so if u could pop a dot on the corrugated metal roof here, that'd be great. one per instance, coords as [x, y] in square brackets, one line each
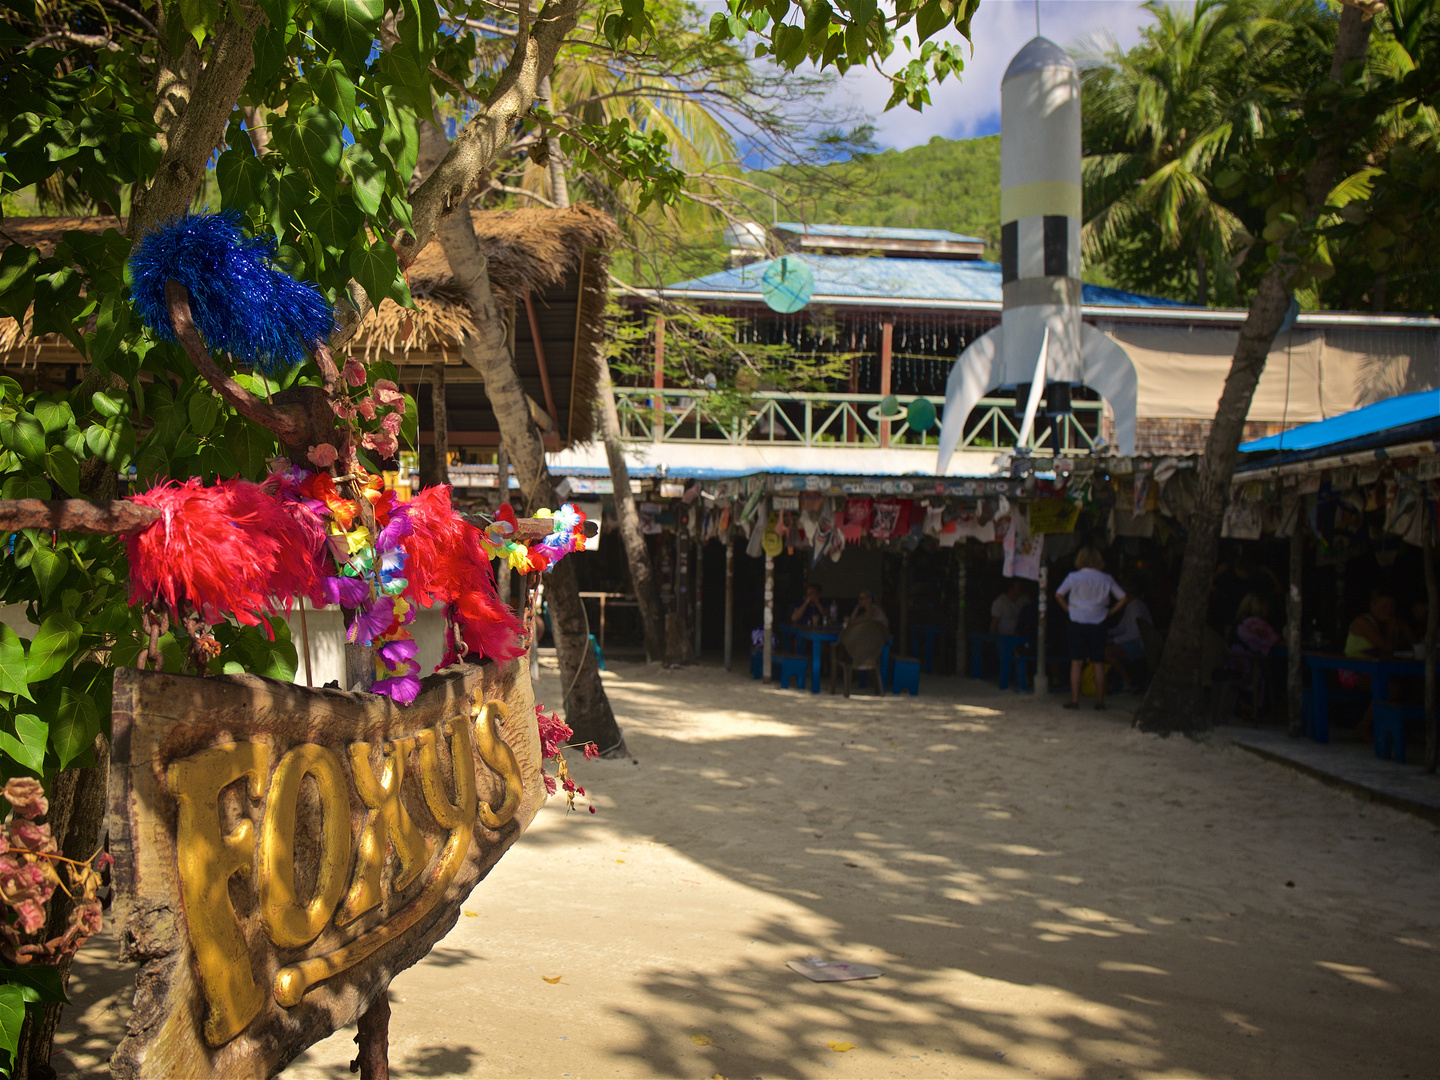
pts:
[897, 279]
[1389, 422]
[875, 232]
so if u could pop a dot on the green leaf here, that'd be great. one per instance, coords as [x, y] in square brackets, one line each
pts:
[38, 982]
[25, 437]
[12, 663]
[367, 178]
[106, 405]
[204, 409]
[375, 267]
[12, 1016]
[53, 415]
[317, 142]
[403, 69]
[17, 280]
[54, 645]
[19, 486]
[75, 724]
[334, 89]
[27, 746]
[250, 445]
[348, 26]
[64, 470]
[113, 443]
[49, 566]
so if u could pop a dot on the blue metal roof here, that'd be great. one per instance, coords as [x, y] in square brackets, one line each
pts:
[898, 279]
[1394, 420]
[875, 232]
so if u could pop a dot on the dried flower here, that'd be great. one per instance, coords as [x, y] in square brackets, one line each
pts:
[355, 372]
[323, 455]
[553, 733]
[387, 393]
[344, 408]
[382, 442]
[391, 423]
[592, 752]
[26, 796]
[366, 408]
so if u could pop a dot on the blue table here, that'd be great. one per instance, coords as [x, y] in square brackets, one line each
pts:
[931, 633]
[1005, 645]
[1378, 670]
[817, 636]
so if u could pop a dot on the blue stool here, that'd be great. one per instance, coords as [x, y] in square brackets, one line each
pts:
[792, 666]
[599, 656]
[757, 663]
[1390, 728]
[905, 675]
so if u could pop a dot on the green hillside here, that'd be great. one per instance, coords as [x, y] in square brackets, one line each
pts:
[945, 184]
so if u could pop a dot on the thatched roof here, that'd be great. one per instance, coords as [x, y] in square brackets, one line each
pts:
[544, 252]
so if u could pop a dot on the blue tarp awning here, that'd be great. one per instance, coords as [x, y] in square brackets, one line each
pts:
[1385, 423]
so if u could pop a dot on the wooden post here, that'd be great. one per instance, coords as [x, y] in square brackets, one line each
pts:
[1042, 673]
[729, 603]
[1294, 613]
[440, 420]
[961, 584]
[502, 473]
[854, 389]
[767, 650]
[904, 643]
[887, 336]
[699, 591]
[305, 639]
[1432, 625]
[540, 362]
[657, 431]
[359, 667]
[372, 1040]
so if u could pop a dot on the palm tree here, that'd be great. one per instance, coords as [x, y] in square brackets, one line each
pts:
[1160, 118]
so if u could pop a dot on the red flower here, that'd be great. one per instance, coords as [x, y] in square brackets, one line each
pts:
[549, 783]
[553, 733]
[592, 751]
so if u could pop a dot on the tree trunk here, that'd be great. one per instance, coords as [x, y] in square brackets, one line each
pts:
[637, 556]
[559, 183]
[77, 815]
[1171, 702]
[587, 709]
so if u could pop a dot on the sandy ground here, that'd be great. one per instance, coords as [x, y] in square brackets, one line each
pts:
[1048, 894]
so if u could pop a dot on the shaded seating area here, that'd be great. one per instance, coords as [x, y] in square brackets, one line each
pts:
[862, 648]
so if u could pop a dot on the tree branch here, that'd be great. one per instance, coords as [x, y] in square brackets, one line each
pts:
[102, 516]
[198, 129]
[490, 131]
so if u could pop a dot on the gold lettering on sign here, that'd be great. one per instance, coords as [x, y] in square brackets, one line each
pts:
[207, 861]
[456, 814]
[496, 753]
[208, 857]
[387, 824]
[290, 923]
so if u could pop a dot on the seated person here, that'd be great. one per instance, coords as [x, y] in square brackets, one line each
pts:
[1126, 647]
[1005, 611]
[810, 610]
[1376, 633]
[867, 608]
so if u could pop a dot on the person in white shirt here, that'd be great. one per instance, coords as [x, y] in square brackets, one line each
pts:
[1005, 611]
[1085, 596]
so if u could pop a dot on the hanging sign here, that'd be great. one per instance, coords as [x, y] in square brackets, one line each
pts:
[282, 853]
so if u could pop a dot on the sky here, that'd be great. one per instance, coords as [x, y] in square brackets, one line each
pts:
[971, 106]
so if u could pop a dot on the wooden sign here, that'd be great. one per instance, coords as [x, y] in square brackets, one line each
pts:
[282, 853]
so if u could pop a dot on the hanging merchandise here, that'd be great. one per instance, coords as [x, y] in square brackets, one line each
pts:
[754, 547]
[885, 522]
[1053, 516]
[857, 519]
[770, 542]
[1022, 550]
[934, 520]
[1241, 522]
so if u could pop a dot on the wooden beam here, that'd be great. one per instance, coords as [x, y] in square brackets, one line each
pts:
[887, 337]
[658, 427]
[540, 358]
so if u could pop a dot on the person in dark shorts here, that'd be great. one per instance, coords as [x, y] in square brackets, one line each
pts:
[1086, 595]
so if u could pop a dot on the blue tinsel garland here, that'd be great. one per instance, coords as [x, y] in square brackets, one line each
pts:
[241, 304]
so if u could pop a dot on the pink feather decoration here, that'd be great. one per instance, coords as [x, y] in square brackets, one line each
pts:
[445, 564]
[227, 548]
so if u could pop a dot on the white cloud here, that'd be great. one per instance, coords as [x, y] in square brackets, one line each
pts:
[971, 106]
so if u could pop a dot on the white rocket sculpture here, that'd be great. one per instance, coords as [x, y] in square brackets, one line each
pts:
[1041, 337]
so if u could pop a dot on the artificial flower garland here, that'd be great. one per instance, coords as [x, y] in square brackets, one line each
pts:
[243, 549]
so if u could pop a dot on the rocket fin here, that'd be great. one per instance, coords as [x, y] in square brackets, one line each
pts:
[973, 375]
[1110, 372]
